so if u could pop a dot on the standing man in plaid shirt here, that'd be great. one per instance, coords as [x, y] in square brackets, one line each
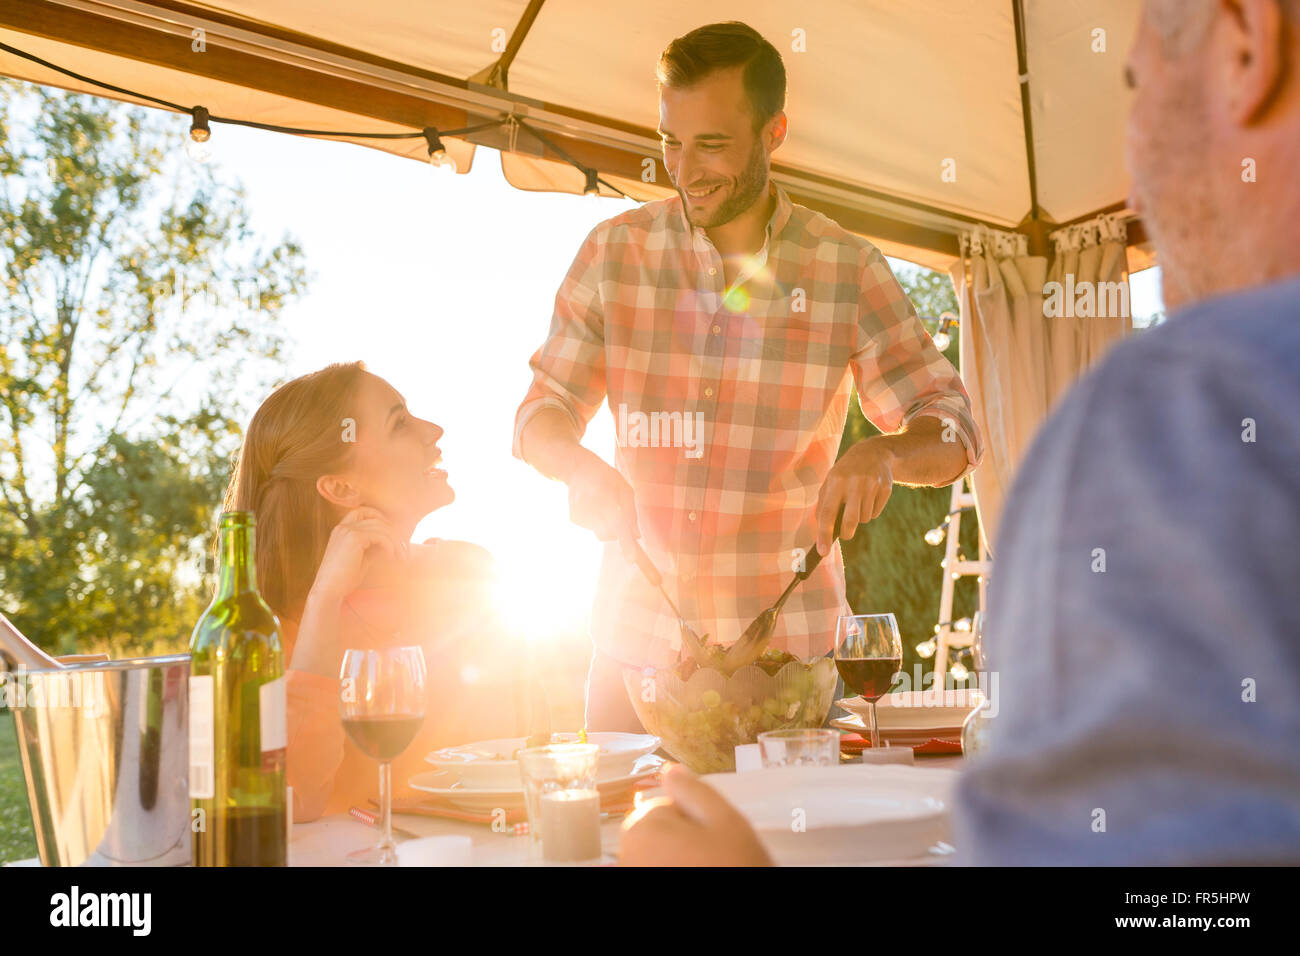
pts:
[726, 326]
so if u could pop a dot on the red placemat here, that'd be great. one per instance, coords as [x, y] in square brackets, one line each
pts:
[934, 747]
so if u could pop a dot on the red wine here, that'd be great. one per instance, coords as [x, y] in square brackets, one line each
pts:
[870, 677]
[383, 737]
[251, 836]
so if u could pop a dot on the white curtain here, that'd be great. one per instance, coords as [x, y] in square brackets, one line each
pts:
[1028, 330]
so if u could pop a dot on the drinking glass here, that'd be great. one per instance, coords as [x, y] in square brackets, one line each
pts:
[381, 701]
[562, 800]
[800, 747]
[975, 729]
[978, 651]
[868, 655]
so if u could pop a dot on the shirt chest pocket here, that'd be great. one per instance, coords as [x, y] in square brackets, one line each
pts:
[799, 343]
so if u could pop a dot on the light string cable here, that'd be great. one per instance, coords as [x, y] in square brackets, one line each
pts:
[592, 175]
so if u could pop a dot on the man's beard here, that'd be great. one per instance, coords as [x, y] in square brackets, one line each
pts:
[749, 187]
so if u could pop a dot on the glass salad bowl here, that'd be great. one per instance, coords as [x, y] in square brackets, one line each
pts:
[701, 715]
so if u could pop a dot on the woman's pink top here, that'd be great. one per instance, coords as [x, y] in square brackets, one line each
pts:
[445, 604]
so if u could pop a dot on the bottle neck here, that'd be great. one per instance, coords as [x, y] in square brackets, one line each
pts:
[238, 571]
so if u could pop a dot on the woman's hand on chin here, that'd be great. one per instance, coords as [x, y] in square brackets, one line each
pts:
[362, 537]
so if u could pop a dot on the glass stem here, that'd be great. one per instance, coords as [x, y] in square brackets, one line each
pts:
[875, 734]
[386, 802]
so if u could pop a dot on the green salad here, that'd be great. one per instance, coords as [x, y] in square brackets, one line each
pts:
[701, 715]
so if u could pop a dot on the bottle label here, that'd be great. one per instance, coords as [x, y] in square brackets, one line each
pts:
[202, 745]
[271, 710]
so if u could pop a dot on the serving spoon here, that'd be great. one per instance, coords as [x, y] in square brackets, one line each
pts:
[690, 640]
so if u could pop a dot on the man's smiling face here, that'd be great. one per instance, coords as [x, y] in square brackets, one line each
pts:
[713, 154]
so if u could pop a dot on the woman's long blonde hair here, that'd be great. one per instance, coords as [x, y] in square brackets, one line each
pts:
[296, 435]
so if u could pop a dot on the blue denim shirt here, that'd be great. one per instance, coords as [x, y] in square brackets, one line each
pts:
[1145, 608]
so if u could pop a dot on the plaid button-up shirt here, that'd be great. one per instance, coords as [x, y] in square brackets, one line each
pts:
[729, 405]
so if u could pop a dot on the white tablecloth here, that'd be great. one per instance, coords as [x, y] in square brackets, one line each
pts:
[326, 842]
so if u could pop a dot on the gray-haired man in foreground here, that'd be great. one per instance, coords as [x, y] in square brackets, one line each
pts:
[1150, 712]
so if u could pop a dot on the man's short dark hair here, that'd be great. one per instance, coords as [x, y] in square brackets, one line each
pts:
[692, 57]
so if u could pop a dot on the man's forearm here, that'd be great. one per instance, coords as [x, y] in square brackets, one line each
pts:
[927, 452]
[550, 444]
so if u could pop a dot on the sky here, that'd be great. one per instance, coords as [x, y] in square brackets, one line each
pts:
[443, 284]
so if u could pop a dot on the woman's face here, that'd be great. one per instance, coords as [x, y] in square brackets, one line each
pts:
[394, 455]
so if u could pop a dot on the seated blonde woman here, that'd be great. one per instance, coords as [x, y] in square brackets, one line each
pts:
[339, 473]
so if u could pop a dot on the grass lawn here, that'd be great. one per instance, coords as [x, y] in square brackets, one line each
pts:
[17, 842]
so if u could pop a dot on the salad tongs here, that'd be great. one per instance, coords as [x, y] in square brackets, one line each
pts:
[753, 642]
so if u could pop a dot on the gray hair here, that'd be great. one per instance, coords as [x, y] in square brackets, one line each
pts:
[1184, 24]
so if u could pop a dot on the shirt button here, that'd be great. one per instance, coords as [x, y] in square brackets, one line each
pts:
[691, 516]
[717, 329]
[708, 393]
[713, 271]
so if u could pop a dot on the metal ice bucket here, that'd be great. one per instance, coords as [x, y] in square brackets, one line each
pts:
[105, 753]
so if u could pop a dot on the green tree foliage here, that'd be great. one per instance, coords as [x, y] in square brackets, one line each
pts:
[888, 565]
[139, 311]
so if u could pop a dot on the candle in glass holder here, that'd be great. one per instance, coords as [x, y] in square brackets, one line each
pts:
[570, 825]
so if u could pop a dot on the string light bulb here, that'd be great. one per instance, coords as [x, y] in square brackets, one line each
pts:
[593, 187]
[439, 158]
[935, 535]
[941, 337]
[196, 147]
[961, 624]
[927, 648]
[959, 671]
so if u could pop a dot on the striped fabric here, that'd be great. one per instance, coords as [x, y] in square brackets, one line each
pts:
[729, 405]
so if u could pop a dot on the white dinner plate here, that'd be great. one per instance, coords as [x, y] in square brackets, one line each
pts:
[896, 738]
[480, 800]
[491, 764]
[849, 814]
[917, 710]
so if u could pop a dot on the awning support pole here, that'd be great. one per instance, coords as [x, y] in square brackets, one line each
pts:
[498, 73]
[1034, 229]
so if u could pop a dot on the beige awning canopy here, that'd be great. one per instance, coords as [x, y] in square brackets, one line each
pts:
[908, 120]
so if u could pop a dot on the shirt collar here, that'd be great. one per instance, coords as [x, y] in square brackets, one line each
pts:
[775, 223]
[781, 214]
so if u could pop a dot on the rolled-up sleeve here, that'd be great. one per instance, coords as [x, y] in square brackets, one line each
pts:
[569, 368]
[899, 373]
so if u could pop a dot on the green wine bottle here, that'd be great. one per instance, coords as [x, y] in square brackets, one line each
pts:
[237, 716]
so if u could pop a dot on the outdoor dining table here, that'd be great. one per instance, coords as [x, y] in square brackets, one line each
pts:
[327, 841]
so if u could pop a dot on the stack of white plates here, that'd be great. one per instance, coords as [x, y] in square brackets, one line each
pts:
[910, 718]
[483, 776]
[849, 814]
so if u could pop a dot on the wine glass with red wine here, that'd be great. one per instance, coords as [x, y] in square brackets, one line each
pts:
[381, 701]
[868, 655]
